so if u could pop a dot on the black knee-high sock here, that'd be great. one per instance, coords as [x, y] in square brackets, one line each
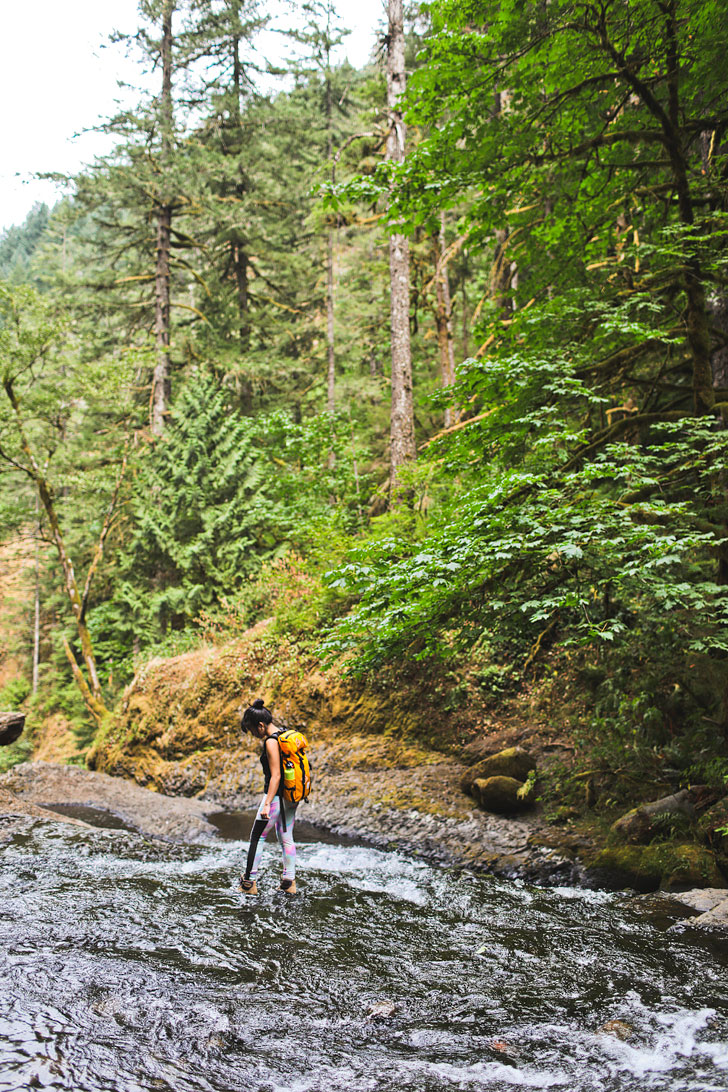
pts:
[258, 827]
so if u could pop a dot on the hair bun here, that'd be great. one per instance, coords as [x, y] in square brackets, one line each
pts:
[258, 704]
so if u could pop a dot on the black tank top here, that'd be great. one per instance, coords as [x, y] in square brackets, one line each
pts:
[265, 763]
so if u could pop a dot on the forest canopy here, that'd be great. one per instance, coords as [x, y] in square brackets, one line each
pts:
[427, 360]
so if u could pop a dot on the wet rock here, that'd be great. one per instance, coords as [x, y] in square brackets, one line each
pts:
[478, 749]
[647, 868]
[11, 727]
[514, 762]
[711, 904]
[382, 1010]
[504, 1051]
[499, 795]
[712, 824]
[619, 1029]
[637, 826]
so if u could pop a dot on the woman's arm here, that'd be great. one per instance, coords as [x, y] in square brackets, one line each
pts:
[274, 761]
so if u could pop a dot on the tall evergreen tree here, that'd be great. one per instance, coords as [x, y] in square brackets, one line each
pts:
[402, 434]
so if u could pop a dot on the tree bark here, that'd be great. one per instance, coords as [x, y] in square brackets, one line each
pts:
[240, 266]
[464, 318]
[161, 383]
[402, 430]
[78, 601]
[443, 319]
[238, 252]
[697, 324]
[330, 356]
[36, 603]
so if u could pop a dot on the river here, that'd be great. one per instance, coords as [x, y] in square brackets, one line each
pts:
[131, 965]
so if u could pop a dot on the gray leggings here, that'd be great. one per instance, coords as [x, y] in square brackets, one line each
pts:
[261, 830]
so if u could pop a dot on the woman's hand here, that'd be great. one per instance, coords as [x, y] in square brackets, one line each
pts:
[265, 811]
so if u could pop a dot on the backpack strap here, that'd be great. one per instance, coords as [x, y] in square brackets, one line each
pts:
[279, 794]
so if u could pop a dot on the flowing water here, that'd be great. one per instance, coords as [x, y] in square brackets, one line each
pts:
[132, 965]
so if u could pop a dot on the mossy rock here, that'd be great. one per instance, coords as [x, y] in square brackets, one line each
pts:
[710, 825]
[647, 868]
[514, 763]
[499, 795]
[640, 824]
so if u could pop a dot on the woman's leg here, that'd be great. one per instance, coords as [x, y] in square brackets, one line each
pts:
[285, 837]
[259, 833]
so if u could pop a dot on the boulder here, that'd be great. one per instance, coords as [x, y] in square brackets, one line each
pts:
[619, 1029]
[647, 868]
[711, 906]
[11, 727]
[499, 795]
[637, 826]
[514, 763]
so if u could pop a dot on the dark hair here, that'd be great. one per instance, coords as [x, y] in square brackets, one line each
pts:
[254, 715]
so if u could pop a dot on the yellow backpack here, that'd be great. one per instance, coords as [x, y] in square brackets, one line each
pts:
[295, 769]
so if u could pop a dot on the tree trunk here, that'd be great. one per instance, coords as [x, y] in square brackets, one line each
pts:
[443, 319]
[161, 383]
[240, 266]
[330, 357]
[402, 431]
[464, 318]
[36, 604]
[238, 251]
[46, 498]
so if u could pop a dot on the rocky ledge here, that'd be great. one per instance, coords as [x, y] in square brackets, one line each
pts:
[711, 906]
[32, 789]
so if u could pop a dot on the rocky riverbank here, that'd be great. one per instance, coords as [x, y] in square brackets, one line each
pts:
[446, 831]
[513, 847]
[389, 767]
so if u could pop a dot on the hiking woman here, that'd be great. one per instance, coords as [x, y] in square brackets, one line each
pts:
[274, 810]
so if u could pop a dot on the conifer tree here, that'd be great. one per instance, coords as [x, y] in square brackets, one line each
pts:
[402, 434]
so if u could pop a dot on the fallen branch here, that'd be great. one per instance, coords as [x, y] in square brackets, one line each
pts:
[459, 425]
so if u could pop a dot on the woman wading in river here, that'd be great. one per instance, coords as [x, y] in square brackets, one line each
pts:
[287, 781]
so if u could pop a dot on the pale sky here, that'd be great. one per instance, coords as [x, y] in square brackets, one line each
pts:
[58, 77]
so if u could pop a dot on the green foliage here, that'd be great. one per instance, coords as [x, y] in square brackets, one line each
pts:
[579, 499]
[19, 244]
[15, 753]
[586, 500]
[14, 693]
[219, 496]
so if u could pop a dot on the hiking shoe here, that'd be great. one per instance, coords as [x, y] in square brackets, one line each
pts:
[248, 887]
[288, 886]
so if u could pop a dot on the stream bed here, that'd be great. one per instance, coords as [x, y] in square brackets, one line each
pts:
[130, 965]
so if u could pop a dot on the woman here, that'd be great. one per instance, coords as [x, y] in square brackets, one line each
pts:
[274, 811]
